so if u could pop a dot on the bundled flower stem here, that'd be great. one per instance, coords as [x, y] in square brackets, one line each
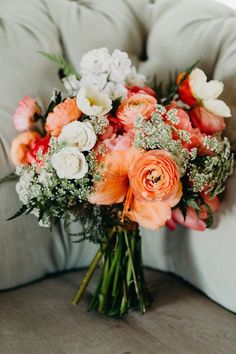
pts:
[122, 284]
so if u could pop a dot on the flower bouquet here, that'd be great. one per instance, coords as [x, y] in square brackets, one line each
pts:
[116, 154]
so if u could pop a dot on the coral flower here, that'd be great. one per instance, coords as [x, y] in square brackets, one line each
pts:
[62, 114]
[21, 147]
[40, 145]
[114, 185]
[23, 117]
[134, 106]
[145, 90]
[207, 122]
[148, 182]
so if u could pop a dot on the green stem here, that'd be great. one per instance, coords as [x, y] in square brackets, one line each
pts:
[80, 292]
[132, 265]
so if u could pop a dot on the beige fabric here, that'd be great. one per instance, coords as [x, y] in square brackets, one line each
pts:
[173, 34]
[38, 319]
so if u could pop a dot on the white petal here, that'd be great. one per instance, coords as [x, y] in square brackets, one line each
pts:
[212, 89]
[217, 107]
[93, 102]
[198, 81]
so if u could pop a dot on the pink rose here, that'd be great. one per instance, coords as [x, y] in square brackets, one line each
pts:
[207, 122]
[120, 142]
[132, 107]
[184, 119]
[113, 128]
[23, 118]
[194, 220]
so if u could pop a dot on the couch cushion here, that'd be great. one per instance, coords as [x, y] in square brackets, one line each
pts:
[174, 34]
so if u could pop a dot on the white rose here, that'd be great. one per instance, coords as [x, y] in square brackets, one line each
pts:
[78, 134]
[120, 66]
[69, 163]
[96, 61]
[92, 102]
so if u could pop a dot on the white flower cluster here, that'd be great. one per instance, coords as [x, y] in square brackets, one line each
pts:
[70, 162]
[108, 73]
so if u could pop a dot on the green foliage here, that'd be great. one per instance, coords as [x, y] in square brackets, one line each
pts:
[21, 211]
[66, 67]
[170, 92]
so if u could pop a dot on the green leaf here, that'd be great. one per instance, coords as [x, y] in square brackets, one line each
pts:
[192, 203]
[9, 178]
[172, 87]
[210, 219]
[62, 63]
[19, 213]
[115, 105]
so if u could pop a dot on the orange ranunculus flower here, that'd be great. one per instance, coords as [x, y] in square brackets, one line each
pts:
[155, 182]
[155, 176]
[21, 147]
[148, 182]
[132, 107]
[62, 114]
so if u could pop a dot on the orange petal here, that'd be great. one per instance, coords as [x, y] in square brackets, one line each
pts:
[114, 185]
[151, 215]
[176, 198]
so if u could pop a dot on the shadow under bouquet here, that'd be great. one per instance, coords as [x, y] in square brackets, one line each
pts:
[114, 154]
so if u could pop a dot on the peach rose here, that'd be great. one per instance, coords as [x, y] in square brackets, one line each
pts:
[132, 107]
[62, 114]
[23, 118]
[21, 147]
[155, 176]
[207, 122]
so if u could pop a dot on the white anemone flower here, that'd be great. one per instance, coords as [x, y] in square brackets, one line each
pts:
[93, 102]
[208, 92]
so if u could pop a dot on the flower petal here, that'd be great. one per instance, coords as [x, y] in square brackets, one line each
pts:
[217, 107]
[151, 215]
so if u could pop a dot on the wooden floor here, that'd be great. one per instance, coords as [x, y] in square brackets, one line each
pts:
[38, 319]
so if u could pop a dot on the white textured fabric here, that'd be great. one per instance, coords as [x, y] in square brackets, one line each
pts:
[172, 34]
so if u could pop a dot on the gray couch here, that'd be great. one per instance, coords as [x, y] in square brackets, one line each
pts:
[160, 36]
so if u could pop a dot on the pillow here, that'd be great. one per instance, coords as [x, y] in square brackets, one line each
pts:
[27, 251]
[181, 32]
